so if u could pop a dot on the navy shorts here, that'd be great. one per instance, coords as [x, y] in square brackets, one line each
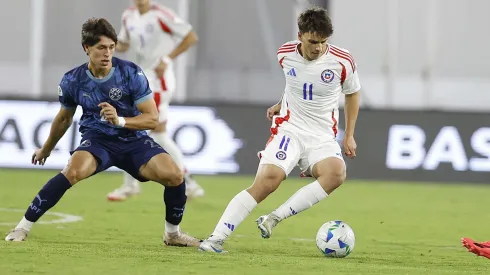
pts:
[126, 155]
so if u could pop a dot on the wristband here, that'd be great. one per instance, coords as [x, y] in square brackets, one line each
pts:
[167, 60]
[121, 121]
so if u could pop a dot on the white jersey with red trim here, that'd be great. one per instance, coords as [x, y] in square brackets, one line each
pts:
[152, 35]
[311, 96]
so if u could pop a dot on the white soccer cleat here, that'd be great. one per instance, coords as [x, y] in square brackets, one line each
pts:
[192, 189]
[17, 235]
[212, 246]
[124, 192]
[180, 239]
[265, 224]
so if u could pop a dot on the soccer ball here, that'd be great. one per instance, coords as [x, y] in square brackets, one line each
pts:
[335, 239]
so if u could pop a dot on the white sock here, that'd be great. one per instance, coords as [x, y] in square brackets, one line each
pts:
[169, 145]
[24, 224]
[171, 228]
[237, 210]
[130, 181]
[303, 199]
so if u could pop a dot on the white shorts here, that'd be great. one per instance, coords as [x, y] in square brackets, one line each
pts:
[163, 90]
[286, 150]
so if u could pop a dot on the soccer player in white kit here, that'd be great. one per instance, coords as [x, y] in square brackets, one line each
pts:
[304, 127]
[152, 30]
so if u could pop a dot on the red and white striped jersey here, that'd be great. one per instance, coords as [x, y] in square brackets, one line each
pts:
[311, 96]
[152, 35]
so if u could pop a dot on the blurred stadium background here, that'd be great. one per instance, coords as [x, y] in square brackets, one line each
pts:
[425, 74]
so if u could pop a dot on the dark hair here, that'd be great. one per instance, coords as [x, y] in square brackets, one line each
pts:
[94, 28]
[315, 20]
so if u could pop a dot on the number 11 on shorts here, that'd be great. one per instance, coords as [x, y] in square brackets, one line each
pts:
[308, 95]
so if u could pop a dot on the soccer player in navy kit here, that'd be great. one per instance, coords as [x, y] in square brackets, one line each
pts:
[118, 107]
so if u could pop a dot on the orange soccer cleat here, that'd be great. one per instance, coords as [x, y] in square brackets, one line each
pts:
[480, 249]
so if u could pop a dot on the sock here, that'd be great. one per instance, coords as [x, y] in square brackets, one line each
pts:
[303, 199]
[175, 199]
[47, 197]
[169, 145]
[171, 228]
[130, 181]
[24, 224]
[237, 210]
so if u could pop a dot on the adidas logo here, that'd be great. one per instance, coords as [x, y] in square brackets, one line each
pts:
[292, 72]
[230, 226]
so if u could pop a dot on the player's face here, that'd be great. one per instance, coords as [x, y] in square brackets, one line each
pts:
[101, 53]
[312, 45]
[142, 5]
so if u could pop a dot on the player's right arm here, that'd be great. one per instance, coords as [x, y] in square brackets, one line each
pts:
[275, 109]
[123, 36]
[59, 126]
[286, 48]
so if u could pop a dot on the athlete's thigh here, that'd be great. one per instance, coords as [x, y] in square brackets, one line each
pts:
[89, 158]
[323, 158]
[161, 168]
[283, 151]
[145, 160]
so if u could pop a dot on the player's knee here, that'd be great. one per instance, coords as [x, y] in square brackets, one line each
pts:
[271, 182]
[338, 177]
[333, 180]
[264, 185]
[174, 177]
[72, 175]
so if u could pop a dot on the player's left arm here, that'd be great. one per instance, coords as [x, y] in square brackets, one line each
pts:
[351, 88]
[142, 97]
[179, 29]
[189, 40]
[147, 120]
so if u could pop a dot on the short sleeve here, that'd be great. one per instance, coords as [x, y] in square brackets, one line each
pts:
[123, 35]
[351, 83]
[65, 94]
[140, 88]
[172, 23]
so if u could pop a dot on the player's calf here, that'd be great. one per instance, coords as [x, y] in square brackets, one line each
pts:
[268, 178]
[330, 174]
[162, 169]
[81, 165]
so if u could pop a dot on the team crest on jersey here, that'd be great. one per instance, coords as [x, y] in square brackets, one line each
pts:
[327, 76]
[60, 92]
[149, 28]
[115, 94]
[281, 155]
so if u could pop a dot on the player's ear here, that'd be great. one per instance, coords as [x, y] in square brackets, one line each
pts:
[85, 48]
[299, 35]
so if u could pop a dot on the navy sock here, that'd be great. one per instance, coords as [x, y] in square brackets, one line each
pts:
[175, 199]
[47, 197]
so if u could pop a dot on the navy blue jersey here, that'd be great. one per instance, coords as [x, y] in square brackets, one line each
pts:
[124, 87]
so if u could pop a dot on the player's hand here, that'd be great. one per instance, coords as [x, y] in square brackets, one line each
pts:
[272, 111]
[350, 147]
[39, 157]
[109, 113]
[160, 69]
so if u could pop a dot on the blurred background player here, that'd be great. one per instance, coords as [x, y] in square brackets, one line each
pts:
[118, 107]
[151, 31]
[304, 128]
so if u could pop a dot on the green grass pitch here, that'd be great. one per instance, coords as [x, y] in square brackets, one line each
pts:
[401, 228]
